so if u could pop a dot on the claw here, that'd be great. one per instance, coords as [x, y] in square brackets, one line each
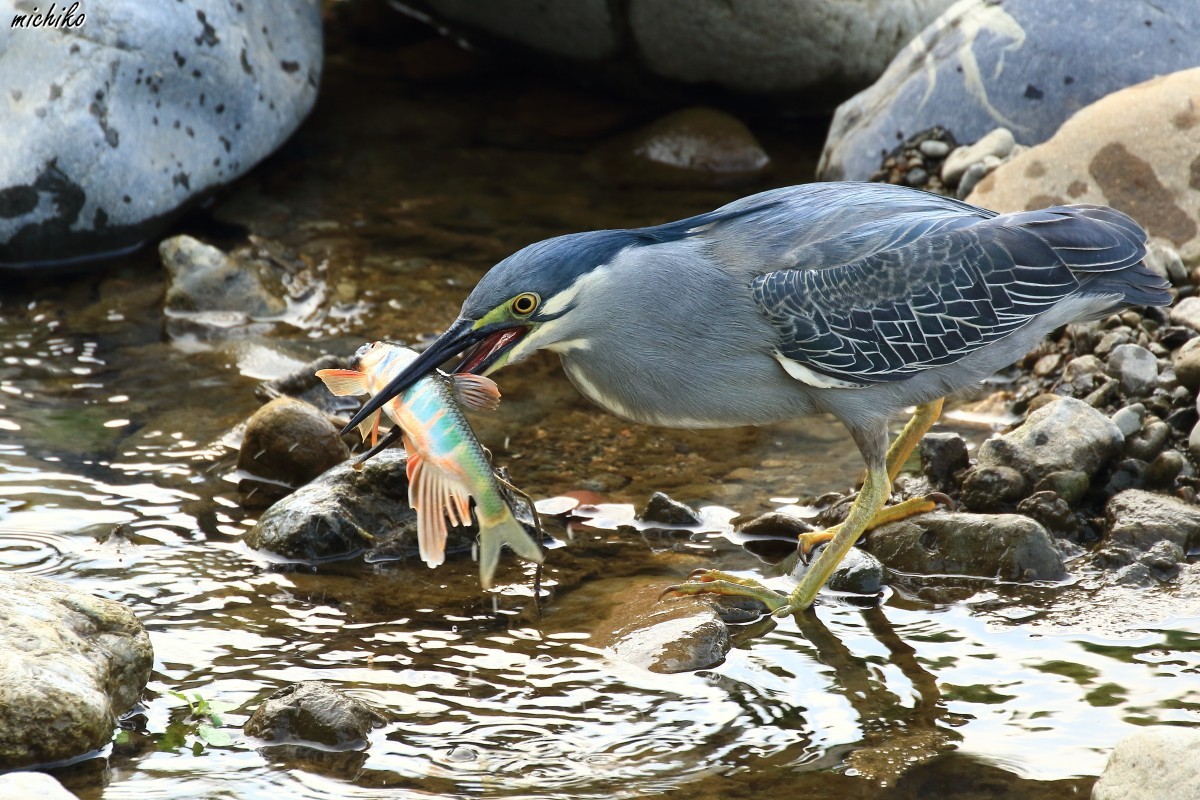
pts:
[720, 583]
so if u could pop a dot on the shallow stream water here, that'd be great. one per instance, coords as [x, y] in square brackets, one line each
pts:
[116, 478]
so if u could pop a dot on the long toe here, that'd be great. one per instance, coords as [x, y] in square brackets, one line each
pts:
[732, 586]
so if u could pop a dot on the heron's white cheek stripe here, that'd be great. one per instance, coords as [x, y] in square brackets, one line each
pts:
[563, 300]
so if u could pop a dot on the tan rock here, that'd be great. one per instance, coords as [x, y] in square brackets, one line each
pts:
[1137, 150]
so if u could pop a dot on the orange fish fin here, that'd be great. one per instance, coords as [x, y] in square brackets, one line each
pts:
[438, 498]
[368, 428]
[477, 392]
[343, 382]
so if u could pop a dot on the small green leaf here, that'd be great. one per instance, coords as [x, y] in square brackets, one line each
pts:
[214, 736]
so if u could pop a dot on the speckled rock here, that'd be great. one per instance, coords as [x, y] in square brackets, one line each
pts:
[804, 51]
[70, 664]
[112, 127]
[1067, 434]
[287, 443]
[1135, 150]
[1135, 367]
[310, 711]
[1006, 546]
[1157, 763]
[1019, 64]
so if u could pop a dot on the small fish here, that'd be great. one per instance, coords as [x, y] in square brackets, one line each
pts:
[447, 466]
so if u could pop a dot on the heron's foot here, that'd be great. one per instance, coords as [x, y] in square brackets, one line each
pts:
[808, 542]
[711, 581]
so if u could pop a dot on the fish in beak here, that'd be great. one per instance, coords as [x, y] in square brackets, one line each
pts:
[486, 348]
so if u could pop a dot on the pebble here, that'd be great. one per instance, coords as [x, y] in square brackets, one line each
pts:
[1069, 484]
[1187, 312]
[1156, 763]
[942, 455]
[310, 711]
[1129, 419]
[934, 148]
[916, 177]
[999, 144]
[1135, 367]
[1187, 365]
[1083, 365]
[994, 488]
[1194, 442]
[665, 511]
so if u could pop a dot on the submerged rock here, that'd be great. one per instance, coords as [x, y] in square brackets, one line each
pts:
[678, 634]
[70, 664]
[1157, 763]
[113, 127]
[287, 443]
[1067, 434]
[310, 711]
[1005, 546]
[692, 147]
[1020, 64]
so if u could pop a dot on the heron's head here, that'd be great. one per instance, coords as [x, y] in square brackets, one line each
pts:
[537, 298]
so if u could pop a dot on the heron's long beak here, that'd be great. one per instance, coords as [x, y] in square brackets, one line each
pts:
[458, 337]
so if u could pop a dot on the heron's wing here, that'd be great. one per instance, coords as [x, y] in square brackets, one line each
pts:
[940, 289]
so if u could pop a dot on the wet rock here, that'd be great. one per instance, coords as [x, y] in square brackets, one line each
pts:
[776, 523]
[110, 131]
[1163, 470]
[343, 512]
[32, 786]
[1052, 512]
[1020, 63]
[1063, 435]
[1135, 367]
[692, 147]
[1146, 444]
[1187, 313]
[204, 278]
[1005, 546]
[1155, 566]
[943, 455]
[1069, 484]
[303, 384]
[997, 144]
[1104, 154]
[310, 711]
[70, 664]
[859, 573]
[993, 488]
[662, 510]
[677, 634]
[287, 443]
[1156, 763]
[1139, 519]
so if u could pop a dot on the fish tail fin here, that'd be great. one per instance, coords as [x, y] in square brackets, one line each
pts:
[344, 382]
[436, 496]
[476, 392]
[509, 531]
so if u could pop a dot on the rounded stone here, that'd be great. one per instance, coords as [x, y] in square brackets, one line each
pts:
[993, 488]
[287, 443]
[1135, 367]
[1070, 485]
[310, 711]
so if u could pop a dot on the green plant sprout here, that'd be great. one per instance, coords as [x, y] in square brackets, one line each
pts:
[204, 719]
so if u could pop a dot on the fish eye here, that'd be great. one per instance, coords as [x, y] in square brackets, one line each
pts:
[524, 304]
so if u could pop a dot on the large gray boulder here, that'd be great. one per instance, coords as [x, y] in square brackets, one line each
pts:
[70, 664]
[822, 50]
[1025, 65]
[1066, 434]
[111, 127]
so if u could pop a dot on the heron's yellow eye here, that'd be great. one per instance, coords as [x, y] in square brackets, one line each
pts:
[524, 304]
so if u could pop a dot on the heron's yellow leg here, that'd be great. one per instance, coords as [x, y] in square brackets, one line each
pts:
[922, 420]
[866, 507]
[904, 510]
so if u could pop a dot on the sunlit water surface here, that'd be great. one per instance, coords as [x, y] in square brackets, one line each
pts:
[114, 446]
